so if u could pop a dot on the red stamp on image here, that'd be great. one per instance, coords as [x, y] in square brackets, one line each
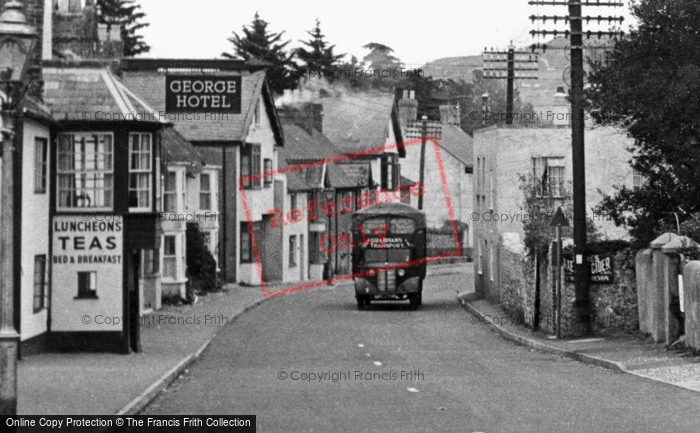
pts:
[379, 239]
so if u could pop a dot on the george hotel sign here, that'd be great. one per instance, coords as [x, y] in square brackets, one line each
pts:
[202, 93]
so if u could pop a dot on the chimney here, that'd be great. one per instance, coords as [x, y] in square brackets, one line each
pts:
[308, 116]
[560, 109]
[449, 115]
[408, 108]
[35, 12]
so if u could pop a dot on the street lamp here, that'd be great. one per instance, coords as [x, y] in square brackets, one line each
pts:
[16, 45]
[329, 194]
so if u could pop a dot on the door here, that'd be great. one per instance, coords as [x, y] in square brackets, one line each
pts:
[301, 257]
[133, 301]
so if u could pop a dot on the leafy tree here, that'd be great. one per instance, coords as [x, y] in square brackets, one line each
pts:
[127, 15]
[650, 85]
[318, 56]
[539, 211]
[386, 66]
[257, 43]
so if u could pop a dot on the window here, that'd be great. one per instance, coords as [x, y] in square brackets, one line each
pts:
[140, 171]
[293, 202]
[293, 250]
[85, 171]
[40, 282]
[389, 172]
[491, 262]
[268, 172]
[637, 179]
[41, 150]
[205, 191]
[247, 252]
[87, 285]
[250, 165]
[548, 176]
[170, 193]
[170, 257]
[150, 264]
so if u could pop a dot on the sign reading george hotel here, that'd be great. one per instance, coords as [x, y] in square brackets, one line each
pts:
[202, 93]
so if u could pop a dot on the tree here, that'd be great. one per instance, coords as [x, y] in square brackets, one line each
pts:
[127, 15]
[257, 43]
[386, 69]
[319, 56]
[650, 86]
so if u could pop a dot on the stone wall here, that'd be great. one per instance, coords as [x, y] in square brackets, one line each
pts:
[614, 306]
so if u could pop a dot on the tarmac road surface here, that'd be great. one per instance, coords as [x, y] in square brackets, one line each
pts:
[312, 362]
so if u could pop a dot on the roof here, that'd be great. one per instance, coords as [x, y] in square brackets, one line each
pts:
[228, 127]
[93, 94]
[302, 146]
[458, 143]
[356, 122]
[178, 150]
[451, 138]
[34, 109]
[305, 146]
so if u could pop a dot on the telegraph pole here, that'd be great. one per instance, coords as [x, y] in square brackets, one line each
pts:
[520, 65]
[575, 33]
[424, 132]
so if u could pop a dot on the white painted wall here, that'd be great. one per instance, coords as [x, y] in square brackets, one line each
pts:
[68, 313]
[35, 232]
[259, 201]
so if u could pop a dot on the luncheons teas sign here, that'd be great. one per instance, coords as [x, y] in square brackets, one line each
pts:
[202, 93]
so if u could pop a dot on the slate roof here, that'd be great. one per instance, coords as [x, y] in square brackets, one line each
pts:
[91, 93]
[231, 127]
[451, 138]
[178, 150]
[458, 143]
[302, 146]
[356, 122]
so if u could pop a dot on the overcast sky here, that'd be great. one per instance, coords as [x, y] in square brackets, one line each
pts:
[418, 32]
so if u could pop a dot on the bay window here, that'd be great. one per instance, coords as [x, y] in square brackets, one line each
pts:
[85, 171]
[140, 171]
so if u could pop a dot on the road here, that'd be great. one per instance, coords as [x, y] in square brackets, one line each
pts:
[441, 374]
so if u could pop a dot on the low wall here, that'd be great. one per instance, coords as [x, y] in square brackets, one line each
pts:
[613, 305]
[529, 293]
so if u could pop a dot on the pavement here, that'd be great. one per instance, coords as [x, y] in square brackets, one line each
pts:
[633, 354]
[175, 336]
[108, 383]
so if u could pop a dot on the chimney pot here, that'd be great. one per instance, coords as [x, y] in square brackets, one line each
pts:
[412, 94]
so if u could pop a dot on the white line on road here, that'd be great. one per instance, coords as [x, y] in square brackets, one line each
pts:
[360, 345]
[412, 390]
[377, 363]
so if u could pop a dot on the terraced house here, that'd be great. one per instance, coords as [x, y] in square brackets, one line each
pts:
[224, 108]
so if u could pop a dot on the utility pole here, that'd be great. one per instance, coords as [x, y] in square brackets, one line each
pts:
[520, 65]
[575, 33]
[424, 133]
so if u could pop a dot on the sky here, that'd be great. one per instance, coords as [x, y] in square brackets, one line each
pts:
[418, 32]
